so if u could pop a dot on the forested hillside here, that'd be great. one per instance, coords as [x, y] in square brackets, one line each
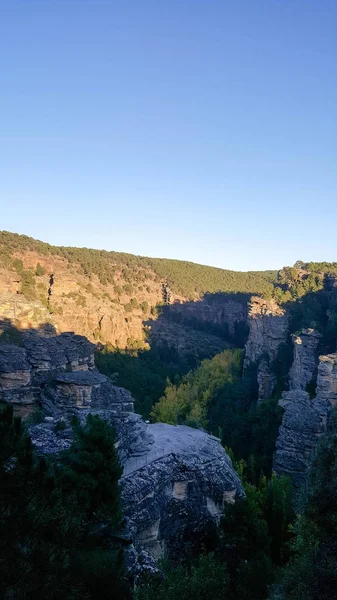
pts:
[184, 278]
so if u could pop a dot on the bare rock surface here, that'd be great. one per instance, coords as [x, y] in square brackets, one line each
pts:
[268, 324]
[304, 368]
[193, 478]
[304, 421]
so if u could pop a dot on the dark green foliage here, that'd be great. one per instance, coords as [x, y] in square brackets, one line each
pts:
[27, 279]
[18, 265]
[206, 578]
[216, 396]
[293, 284]
[91, 465]
[40, 270]
[247, 547]
[144, 306]
[312, 573]
[255, 536]
[128, 289]
[189, 279]
[52, 537]
[185, 278]
[280, 367]
[251, 430]
[10, 334]
[143, 372]
[134, 302]
[191, 400]
[28, 284]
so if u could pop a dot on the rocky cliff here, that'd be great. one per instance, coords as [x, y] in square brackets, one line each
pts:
[305, 420]
[224, 313]
[305, 359]
[123, 314]
[176, 480]
[268, 330]
[108, 296]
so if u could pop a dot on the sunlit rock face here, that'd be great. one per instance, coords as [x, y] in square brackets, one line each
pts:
[268, 330]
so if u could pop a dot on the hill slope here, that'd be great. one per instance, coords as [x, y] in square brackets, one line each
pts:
[109, 296]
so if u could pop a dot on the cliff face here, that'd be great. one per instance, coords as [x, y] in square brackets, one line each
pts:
[73, 301]
[305, 421]
[305, 352]
[123, 313]
[176, 480]
[268, 330]
[227, 312]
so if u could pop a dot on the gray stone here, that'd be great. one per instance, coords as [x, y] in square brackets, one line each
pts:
[304, 367]
[176, 480]
[304, 422]
[179, 486]
[268, 330]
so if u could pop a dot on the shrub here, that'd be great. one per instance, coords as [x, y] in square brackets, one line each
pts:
[39, 271]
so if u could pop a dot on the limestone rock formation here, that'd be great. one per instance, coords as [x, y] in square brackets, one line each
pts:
[223, 310]
[177, 488]
[327, 378]
[268, 324]
[25, 369]
[305, 357]
[176, 480]
[112, 311]
[304, 422]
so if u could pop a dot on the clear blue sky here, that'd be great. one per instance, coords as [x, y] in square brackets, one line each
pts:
[204, 130]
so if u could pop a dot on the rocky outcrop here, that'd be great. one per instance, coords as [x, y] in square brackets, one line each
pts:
[21, 312]
[268, 330]
[305, 357]
[25, 369]
[327, 378]
[15, 375]
[176, 480]
[176, 489]
[304, 422]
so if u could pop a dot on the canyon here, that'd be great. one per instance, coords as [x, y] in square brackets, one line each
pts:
[176, 481]
[55, 312]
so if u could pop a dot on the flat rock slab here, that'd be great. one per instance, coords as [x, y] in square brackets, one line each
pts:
[80, 377]
[176, 439]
